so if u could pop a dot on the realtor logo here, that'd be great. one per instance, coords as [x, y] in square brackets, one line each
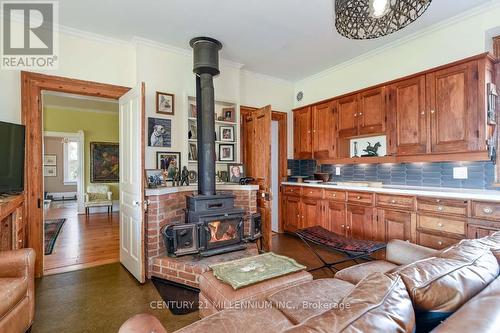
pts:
[29, 35]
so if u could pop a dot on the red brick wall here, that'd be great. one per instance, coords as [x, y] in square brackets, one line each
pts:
[169, 208]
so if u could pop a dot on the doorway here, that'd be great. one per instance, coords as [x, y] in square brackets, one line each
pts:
[81, 181]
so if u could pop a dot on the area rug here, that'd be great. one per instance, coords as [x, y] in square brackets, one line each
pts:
[52, 229]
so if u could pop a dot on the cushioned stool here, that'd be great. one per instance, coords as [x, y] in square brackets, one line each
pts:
[216, 296]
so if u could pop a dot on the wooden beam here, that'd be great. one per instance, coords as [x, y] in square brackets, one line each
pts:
[496, 47]
[32, 85]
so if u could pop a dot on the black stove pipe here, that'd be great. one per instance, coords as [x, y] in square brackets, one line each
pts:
[206, 66]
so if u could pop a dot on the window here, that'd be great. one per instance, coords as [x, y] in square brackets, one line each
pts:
[71, 165]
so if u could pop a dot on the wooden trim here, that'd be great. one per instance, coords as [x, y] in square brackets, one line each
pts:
[476, 57]
[32, 85]
[282, 119]
[496, 47]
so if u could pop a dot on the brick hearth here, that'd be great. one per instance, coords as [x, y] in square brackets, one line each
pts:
[166, 206]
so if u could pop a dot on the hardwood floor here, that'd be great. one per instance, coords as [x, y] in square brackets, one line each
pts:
[83, 241]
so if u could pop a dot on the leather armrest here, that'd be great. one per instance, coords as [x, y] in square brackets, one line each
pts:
[142, 323]
[402, 253]
[17, 263]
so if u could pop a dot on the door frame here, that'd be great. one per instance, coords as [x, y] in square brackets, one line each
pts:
[32, 85]
[80, 138]
[282, 119]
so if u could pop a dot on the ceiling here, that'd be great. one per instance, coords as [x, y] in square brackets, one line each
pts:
[288, 39]
[79, 102]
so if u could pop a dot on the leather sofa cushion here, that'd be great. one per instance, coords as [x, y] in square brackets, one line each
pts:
[480, 314]
[250, 320]
[493, 242]
[310, 298]
[440, 285]
[355, 274]
[223, 296]
[379, 303]
[12, 291]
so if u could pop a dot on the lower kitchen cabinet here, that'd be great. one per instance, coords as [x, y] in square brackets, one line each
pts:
[392, 224]
[311, 210]
[360, 222]
[292, 213]
[333, 218]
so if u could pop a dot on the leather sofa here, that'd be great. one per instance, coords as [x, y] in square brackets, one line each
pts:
[17, 290]
[414, 289]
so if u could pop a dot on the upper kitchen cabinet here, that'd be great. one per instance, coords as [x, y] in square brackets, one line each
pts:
[371, 111]
[347, 110]
[407, 116]
[302, 140]
[324, 130]
[455, 114]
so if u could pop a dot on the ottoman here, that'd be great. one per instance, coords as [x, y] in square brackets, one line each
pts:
[216, 295]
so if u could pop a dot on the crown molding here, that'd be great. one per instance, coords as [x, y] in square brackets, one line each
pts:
[491, 5]
[267, 77]
[70, 108]
[92, 36]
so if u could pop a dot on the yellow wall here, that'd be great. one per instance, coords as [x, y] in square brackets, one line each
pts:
[97, 127]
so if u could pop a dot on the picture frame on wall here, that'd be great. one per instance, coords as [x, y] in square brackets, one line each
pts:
[193, 152]
[49, 159]
[165, 103]
[49, 171]
[154, 178]
[226, 133]
[235, 171]
[104, 162]
[228, 114]
[169, 162]
[226, 152]
[159, 132]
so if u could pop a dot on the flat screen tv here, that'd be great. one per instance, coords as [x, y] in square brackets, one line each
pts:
[11, 158]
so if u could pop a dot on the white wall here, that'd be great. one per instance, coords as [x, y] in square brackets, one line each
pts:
[461, 37]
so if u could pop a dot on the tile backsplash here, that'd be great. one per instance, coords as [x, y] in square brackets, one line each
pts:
[481, 175]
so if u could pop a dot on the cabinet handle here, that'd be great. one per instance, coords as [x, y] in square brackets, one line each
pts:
[433, 111]
[440, 243]
[355, 115]
[343, 226]
[298, 216]
[393, 201]
[440, 208]
[440, 225]
[348, 227]
[438, 200]
[308, 131]
[334, 195]
[310, 192]
[358, 197]
[360, 114]
[314, 131]
[302, 216]
[487, 210]
[422, 113]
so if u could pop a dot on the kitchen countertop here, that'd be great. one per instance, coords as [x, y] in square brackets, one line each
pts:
[219, 187]
[438, 192]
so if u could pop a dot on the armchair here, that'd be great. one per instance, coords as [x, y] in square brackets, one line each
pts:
[17, 290]
[98, 196]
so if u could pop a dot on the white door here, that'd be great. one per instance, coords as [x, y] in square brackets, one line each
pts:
[131, 182]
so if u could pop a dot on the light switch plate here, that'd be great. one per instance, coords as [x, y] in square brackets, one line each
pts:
[337, 171]
[460, 173]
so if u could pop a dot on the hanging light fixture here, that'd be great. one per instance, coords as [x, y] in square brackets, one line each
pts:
[368, 19]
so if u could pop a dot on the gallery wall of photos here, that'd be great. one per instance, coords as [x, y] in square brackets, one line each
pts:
[171, 167]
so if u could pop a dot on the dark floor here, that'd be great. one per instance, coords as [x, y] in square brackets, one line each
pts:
[100, 299]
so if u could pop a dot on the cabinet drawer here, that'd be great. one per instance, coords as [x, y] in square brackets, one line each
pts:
[395, 201]
[292, 190]
[335, 195]
[442, 224]
[435, 241]
[442, 206]
[486, 210]
[360, 197]
[311, 192]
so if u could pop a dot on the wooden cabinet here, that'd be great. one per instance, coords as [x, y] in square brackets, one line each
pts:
[371, 114]
[434, 241]
[292, 213]
[324, 130]
[452, 97]
[408, 117]
[347, 110]
[392, 224]
[13, 226]
[334, 217]
[311, 210]
[359, 222]
[302, 134]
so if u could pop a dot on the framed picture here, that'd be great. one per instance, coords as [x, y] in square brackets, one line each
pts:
[193, 152]
[165, 103]
[49, 159]
[226, 152]
[154, 178]
[192, 110]
[49, 171]
[193, 130]
[226, 133]
[236, 172]
[104, 162]
[228, 114]
[159, 132]
[169, 162]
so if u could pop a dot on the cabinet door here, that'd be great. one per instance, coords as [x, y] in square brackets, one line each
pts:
[408, 116]
[478, 231]
[324, 130]
[310, 212]
[452, 95]
[302, 133]
[347, 110]
[292, 213]
[360, 222]
[393, 225]
[334, 217]
[371, 115]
